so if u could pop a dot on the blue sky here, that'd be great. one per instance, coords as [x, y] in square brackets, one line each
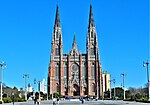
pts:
[26, 28]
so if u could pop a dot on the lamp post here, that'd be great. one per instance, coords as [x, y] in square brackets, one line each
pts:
[39, 82]
[114, 81]
[146, 64]
[25, 76]
[110, 88]
[34, 87]
[47, 90]
[2, 66]
[123, 76]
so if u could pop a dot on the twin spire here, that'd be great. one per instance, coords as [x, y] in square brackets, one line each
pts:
[91, 24]
[91, 18]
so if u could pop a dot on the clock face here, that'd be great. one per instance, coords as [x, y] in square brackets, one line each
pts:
[74, 67]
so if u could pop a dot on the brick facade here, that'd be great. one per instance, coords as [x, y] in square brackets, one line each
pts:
[75, 74]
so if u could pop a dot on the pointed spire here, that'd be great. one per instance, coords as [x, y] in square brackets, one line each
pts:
[91, 18]
[57, 19]
[74, 44]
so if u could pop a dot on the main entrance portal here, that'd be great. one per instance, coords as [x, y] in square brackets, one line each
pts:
[76, 90]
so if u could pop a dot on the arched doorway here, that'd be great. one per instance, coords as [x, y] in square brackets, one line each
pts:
[76, 90]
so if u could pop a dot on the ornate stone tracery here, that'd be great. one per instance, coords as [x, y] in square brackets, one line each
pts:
[75, 74]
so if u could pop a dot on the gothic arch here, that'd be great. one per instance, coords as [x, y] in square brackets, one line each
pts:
[75, 73]
[93, 87]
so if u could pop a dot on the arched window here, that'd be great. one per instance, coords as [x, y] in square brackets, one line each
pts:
[84, 70]
[57, 34]
[65, 90]
[85, 90]
[93, 71]
[57, 50]
[92, 34]
[65, 70]
[93, 87]
[57, 71]
[92, 50]
[57, 87]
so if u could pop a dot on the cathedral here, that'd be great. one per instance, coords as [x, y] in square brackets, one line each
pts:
[75, 74]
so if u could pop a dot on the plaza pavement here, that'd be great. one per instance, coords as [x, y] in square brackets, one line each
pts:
[75, 102]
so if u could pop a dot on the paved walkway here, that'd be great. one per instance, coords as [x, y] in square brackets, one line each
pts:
[65, 102]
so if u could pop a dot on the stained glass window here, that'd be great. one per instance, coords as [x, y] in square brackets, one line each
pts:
[93, 87]
[57, 87]
[57, 70]
[93, 71]
[65, 70]
[84, 70]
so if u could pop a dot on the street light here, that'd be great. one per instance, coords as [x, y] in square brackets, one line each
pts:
[39, 83]
[110, 88]
[34, 87]
[46, 85]
[2, 66]
[146, 64]
[47, 91]
[25, 76]
[114, 81]
[123, 75]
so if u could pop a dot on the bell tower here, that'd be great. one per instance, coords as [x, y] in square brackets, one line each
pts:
[92, 57]
[57, 44]
[56, 56]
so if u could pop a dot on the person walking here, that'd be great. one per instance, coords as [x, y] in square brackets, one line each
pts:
[58, 100]
[38, 101]
[35, 100]
[13, 101]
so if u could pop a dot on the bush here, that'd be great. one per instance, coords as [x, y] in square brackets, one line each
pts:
[118, 98]
[7, 100]
[55, 95]
[128, 99]
[107, 99]
[20, 100]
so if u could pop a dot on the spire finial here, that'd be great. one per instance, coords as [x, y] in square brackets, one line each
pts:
[74, 40]
[57, 19]
[74, 44]
[91, 18]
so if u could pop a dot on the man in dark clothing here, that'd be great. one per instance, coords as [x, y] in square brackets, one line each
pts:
[58, 100]
[35, 99]
[13, 101]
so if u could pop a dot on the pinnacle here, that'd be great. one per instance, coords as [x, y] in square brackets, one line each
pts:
[91, 18]
[74, 45]
[57, 18]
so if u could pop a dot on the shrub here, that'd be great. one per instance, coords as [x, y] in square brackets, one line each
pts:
[107, 99]
[20, 100]
[127, 99]
[7, 100]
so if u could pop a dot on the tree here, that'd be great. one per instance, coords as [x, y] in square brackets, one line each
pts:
[133, 92]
